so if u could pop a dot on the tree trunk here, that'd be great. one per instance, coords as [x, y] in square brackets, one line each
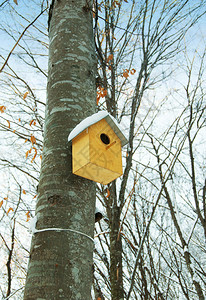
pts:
[61, 261]
[117, 291]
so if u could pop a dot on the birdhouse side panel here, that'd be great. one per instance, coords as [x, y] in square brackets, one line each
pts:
[80, 151]
[105, 147]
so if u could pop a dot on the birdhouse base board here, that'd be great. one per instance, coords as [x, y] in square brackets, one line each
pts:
[97, 173]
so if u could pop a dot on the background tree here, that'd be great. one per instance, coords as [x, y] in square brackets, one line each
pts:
[22, 118]
[152, 36]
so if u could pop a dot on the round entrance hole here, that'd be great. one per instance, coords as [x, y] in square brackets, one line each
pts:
[104, 138]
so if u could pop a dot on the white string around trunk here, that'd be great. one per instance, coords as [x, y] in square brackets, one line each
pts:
[34, 230]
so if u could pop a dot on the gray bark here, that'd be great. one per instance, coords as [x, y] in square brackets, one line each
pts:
[116, 274]
[60, 264]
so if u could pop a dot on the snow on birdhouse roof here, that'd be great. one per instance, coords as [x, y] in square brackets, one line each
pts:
[93, 119]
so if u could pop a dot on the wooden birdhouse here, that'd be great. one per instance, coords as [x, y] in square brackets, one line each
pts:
[96, 148]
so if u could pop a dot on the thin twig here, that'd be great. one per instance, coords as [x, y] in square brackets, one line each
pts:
[20, 39]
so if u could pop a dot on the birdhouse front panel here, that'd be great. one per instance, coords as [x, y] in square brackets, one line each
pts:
[105, 147]
[97, 153]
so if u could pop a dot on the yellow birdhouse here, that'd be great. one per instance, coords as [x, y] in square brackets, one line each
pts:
[96, 148]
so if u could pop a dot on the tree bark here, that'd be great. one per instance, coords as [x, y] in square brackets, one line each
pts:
[116, 274]
[60, 264]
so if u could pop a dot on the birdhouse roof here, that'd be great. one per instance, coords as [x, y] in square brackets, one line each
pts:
[93, 119]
